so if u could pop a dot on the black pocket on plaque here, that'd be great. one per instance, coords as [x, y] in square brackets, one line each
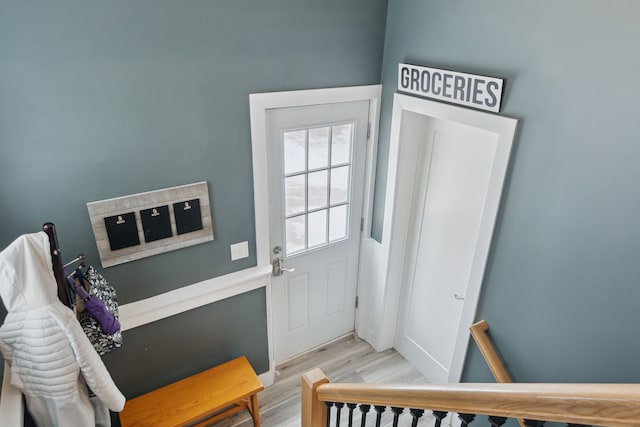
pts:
[188, 216]
[122, 230]
[156, 223]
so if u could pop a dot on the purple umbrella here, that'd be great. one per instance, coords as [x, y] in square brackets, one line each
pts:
[96, 308]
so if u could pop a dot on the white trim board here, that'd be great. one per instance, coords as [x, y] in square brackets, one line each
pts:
[142, 312]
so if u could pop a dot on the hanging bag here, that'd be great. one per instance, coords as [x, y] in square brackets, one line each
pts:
[99, 320]
[96, 307]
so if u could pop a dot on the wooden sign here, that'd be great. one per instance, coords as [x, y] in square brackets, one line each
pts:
[471, 90]
[136, 226]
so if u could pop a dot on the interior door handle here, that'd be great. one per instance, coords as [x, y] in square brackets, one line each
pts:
[458, 297]
[278, 267]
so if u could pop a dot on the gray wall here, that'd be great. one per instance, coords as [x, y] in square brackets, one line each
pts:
[561, 293]
[104, 99]
[182, 345]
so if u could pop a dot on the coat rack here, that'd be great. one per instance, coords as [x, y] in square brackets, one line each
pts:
[57, 265]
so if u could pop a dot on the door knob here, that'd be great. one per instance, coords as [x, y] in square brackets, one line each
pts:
[278, 267]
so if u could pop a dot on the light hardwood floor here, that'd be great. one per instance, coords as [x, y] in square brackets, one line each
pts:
[347, 360]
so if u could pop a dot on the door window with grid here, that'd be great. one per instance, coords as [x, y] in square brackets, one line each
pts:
[317, 178]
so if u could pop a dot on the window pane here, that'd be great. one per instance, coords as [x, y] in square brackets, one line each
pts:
[317, 190]
[340, 185]
[295, 152]
[295, 234]
[341, 144]
[294, 192]
[318, 148]
[317, 228]
[338, 223]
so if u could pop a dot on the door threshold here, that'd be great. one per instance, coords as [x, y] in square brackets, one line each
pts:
[318, 348]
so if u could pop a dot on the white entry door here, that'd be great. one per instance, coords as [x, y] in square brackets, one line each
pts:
[316, 159]
[449, 234]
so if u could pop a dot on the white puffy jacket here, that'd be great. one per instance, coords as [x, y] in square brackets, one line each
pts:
[41, 339]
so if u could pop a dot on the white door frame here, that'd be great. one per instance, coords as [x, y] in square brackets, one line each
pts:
[387, 258]
[259, 103]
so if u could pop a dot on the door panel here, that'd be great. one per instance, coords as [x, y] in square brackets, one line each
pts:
[316, 176]
[336, 287]
[297, 290]
[453, 179]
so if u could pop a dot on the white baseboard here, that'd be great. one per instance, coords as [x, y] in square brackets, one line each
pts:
[268, 378]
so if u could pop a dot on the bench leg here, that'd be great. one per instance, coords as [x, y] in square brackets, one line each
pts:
[253, 409]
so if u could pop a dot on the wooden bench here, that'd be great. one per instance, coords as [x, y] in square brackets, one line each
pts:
[203, 398]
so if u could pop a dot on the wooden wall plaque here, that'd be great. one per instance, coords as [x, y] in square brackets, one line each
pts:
[194, 222]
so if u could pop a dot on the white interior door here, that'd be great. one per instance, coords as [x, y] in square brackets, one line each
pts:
[316, 159]
[446, 244]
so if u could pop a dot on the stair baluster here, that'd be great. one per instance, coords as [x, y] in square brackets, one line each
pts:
[396, 415]
[329, 405]
[466, 419]
[379, 410]
[416, 414]
[351, 407]
[364, 409]
[497, 421]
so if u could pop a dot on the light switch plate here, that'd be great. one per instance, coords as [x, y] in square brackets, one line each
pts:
[239, 250]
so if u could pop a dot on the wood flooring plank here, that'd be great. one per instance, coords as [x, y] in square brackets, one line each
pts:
[349, 359]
